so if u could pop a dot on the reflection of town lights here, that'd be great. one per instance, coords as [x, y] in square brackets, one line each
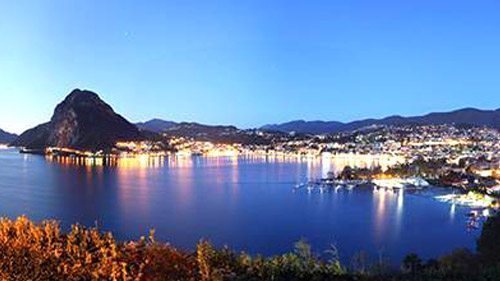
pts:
[143, 159]
[452, 211]
[400, 201]
[222, 153]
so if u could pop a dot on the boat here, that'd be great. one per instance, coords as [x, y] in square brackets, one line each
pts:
[400, 183]
[417, 182]
[471, 199]
[389, 183]
[32, 151]
[493, 190]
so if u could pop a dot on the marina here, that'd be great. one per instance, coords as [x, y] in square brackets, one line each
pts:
[331, 183]
[471, 199]
[481, 206]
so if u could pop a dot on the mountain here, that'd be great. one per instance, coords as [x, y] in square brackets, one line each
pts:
[155, 125]
[201, 132]
[6, 137]
[219, 134]
[466, 116]
[34, 138]
[301, 126]
[81, 121]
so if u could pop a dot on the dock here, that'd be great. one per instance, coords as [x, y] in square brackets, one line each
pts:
[329, 184]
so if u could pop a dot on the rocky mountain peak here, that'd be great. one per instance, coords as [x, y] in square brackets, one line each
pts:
[83, 121]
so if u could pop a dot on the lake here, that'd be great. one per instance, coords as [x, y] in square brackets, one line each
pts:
[243, 202]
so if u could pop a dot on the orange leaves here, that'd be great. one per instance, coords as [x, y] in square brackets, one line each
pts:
[30, 251]
[41, 252]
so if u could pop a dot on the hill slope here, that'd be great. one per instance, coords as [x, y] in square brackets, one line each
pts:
[6, 137]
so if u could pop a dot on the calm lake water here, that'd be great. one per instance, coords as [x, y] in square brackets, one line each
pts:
[246, 203]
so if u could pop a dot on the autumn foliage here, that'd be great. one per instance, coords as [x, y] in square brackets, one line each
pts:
[41, 252]
[30, 251]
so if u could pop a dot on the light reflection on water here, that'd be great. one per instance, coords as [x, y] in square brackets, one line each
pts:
[245, 202]
[327, 163]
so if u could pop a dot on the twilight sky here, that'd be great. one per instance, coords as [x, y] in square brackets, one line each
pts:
[249, 62]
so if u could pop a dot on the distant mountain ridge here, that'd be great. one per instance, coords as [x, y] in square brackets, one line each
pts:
[465, 116]
[203, 132]
[6, 138]
[81, 121]
[308, 127]
[156, 125]
[220, 133]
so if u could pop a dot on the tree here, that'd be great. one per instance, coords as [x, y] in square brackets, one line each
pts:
[347, 173]
[488, 245]
[412, 263]
[460, 261]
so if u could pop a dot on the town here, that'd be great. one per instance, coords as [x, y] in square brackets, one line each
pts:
[462, 157]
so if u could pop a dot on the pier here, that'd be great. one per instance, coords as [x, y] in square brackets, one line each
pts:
[332, 184]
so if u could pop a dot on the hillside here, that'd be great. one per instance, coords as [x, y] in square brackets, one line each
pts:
[155, 125]
[6, 137]
[466, 116]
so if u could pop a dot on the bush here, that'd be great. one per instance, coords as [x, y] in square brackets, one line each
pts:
[31, 251]
[488, 245]
[302, 264]
[411, 264]
[41, 252]
[460, 261]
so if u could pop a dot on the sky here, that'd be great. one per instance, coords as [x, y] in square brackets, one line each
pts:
[249, 63]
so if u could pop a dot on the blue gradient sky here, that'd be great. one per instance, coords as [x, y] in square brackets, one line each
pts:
[249, 62]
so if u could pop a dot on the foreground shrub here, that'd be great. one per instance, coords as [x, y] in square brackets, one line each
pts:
[488, 245]
[41, 252]
[31, 251]
[460, 261]
[298, 265]
[166, 263]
